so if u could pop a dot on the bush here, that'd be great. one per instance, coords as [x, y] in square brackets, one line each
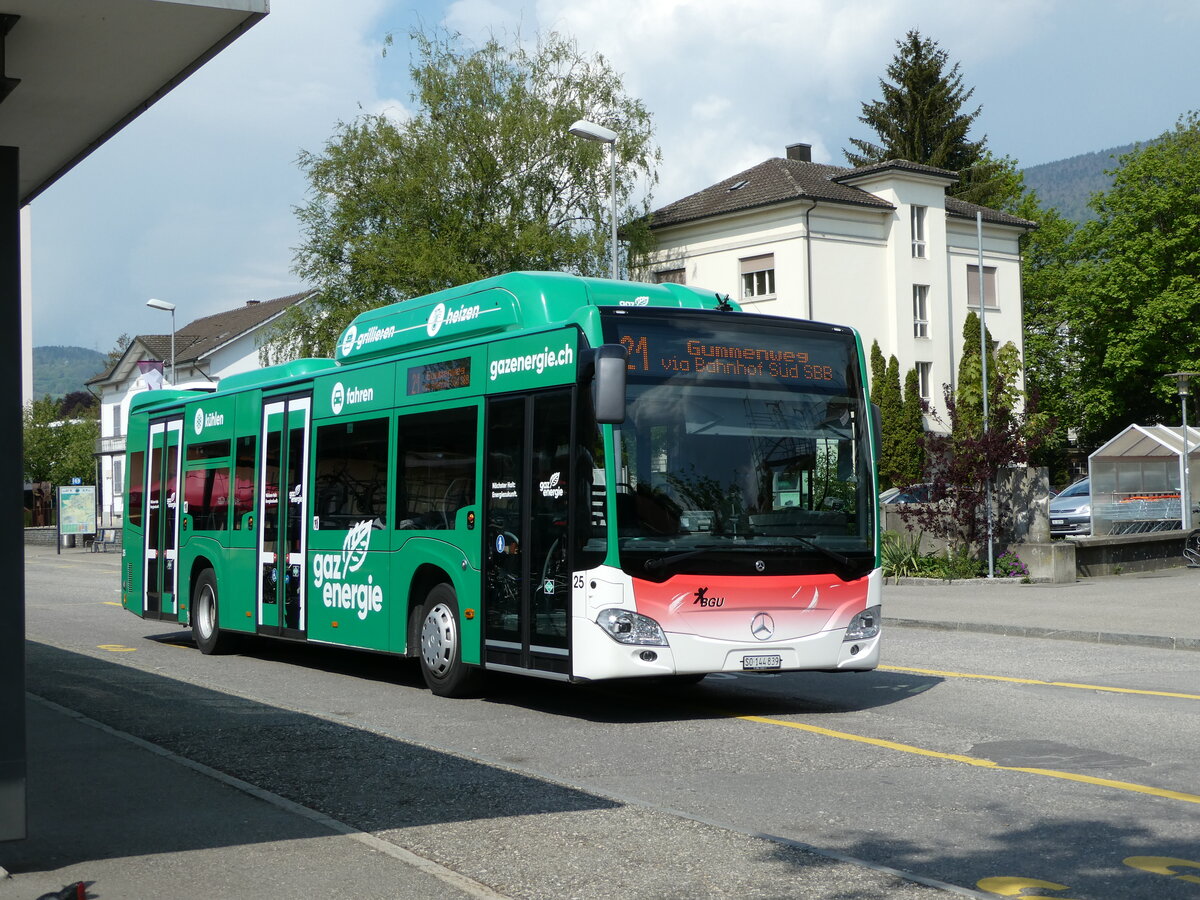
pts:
[1009, 565]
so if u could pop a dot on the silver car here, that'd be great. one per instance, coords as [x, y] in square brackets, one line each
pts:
[1071, 511]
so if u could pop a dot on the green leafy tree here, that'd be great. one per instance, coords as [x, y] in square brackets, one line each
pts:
[1132, 297]
[58, 449]
[924, 117]
[1047, 263]
[484, 178]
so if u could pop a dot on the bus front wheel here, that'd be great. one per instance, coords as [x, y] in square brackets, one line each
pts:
[208, 634]
[441, 646]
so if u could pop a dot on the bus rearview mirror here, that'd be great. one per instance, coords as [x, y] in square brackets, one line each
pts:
[608, 384]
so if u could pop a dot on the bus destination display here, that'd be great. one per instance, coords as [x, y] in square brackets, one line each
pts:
[750, 356]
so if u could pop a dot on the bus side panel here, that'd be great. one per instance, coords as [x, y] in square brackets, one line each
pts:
[419, 556]
[199, 551]
[350, 600]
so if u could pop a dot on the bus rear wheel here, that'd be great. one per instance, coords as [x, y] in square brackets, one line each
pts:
[208, 634]
[442, 666]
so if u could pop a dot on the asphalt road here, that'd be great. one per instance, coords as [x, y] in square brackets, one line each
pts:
[1075, 777]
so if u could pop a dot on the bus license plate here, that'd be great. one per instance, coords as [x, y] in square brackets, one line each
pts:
[761, 663]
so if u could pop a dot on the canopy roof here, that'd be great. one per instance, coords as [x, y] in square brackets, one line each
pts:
[1150, 441]
[77, 71]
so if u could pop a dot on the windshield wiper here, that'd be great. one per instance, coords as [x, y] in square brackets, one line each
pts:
[832, 554]
[657, 562]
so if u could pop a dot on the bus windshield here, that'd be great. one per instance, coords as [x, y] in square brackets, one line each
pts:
[743, 449]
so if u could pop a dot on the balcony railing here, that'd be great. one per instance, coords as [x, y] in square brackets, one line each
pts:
[110, 445]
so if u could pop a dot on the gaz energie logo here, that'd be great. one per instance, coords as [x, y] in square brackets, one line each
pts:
[332, 575]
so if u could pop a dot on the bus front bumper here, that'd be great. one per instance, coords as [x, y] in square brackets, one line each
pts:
[597, 656]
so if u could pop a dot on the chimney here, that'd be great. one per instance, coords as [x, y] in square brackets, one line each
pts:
[252, 302]
[800, 152]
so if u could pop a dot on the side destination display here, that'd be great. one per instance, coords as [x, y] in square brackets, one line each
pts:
[421, 323]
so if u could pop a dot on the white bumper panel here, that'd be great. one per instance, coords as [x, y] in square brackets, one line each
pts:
[598, 656]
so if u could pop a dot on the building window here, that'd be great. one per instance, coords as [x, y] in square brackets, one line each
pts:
[670, 276]
[989, 286]
[758, 277]
[921, 310]
[923, 369]
[918, 232]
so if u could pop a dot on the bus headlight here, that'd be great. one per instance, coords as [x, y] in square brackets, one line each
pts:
[864, 625]
[627, 627]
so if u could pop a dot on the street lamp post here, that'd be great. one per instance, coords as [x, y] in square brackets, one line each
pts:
[590, 131]
[1185, 498]
[168, 307]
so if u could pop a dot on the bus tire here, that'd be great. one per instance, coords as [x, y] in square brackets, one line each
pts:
[441, 646]
[208, 634]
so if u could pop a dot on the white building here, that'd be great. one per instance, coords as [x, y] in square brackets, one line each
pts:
[206, 351]
[880, 248]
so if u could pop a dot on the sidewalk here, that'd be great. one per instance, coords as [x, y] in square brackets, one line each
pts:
[130, 820]
[1151, 609]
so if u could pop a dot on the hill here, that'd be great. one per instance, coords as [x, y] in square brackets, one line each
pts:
[58, 371]
[1068, 184]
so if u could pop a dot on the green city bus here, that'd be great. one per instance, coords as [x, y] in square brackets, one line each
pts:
[570, 478]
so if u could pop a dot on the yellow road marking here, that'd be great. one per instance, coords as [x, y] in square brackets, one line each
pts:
[1062, 684]
[111, 603]
[976, 761]
[116, 648]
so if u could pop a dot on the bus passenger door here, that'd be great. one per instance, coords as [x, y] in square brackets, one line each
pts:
[162, 521]
[526, 577]
[283, 502]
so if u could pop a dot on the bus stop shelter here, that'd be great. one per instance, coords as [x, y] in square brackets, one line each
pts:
[1136, 478]
[72, 75]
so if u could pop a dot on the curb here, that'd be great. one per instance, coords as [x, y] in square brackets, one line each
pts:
[1158, 642]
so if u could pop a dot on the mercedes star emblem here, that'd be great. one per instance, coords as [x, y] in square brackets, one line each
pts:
[762, 626]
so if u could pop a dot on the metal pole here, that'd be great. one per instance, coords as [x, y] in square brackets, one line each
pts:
[612, 151]
[172, 347]
[1185, 499]
[983, 357]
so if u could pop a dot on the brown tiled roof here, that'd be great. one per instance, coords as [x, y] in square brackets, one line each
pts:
[774, 181]
[961, 209]
[203, 336]
[788, 180]
[904, 164]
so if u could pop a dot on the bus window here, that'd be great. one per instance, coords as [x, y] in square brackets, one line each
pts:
[207, 494]
[436, 457]
[351, 474]
[243, 485]
[137, 487]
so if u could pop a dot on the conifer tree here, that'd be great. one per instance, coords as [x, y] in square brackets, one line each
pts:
[912, 449]
[891, 407]
[878, 374]
[923, 117]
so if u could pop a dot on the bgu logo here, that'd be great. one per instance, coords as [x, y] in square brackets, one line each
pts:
[707, 602]
[331, 570]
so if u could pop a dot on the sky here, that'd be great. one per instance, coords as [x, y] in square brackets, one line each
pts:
[193, 203]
